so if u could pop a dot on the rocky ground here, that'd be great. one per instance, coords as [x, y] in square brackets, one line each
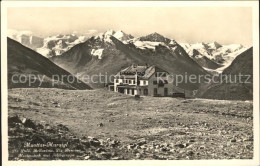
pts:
[98, 124]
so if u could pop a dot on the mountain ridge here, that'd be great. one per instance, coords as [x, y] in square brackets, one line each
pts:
[25, 63]
[117, 54]
[213, 57]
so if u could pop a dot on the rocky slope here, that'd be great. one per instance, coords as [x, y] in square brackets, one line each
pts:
[27, 68]
[234, 87]
[108, 54]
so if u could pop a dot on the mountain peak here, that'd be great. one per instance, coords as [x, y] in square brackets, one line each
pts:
[120, 31]
[216, 45]
[109, 32]
[122, 36]
[155, 37]
[173, 42]
[156, 34]
[106, 35]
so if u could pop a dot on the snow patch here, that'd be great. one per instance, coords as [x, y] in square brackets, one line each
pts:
[105, 36]
[119, 35]
[147, 44]
[215, 51]
[97, 52]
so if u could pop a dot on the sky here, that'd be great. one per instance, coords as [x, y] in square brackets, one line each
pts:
[226, 25]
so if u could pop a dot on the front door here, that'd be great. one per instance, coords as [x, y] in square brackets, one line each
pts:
[120, 90]
[145, 92]
[165, 91]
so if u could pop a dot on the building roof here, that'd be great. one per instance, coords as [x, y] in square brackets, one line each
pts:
[126, 76]
[143, 72]
[134, 69]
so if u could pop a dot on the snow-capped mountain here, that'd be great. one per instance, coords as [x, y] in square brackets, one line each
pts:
[222, 55]
[120, 35]
[103, 40]
[152, 41]
[214, 45]
[241, 65]
[26, 38]
[49, 46]
[149, 44]
[110, 51]
[213, 57]
[56, 45]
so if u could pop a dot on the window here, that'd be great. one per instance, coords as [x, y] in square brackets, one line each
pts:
[144, 82]
[154, 82]
[134, 82]
[116, 80]
[155, 91]
[128, 91]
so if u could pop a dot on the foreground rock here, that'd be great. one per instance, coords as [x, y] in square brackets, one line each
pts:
[32, 141]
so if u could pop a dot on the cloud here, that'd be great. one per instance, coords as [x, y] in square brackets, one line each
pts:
[75, 32]
[91, 31]
[13, 33]
[25, 32]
